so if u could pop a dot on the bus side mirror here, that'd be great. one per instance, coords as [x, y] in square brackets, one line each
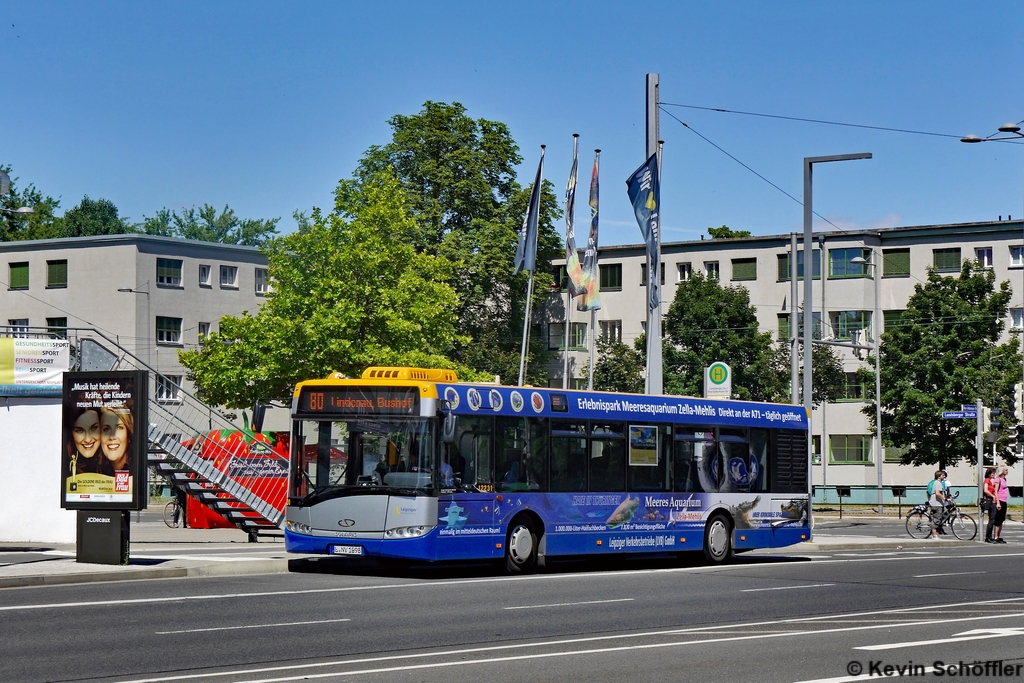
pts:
[448, 427]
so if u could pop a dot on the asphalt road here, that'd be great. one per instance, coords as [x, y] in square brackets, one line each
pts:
[768, 617]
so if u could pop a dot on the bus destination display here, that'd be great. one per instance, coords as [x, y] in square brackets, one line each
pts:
[360, 400]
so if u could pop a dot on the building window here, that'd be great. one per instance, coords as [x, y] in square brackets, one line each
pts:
[894, 454]
[168, 272]
[891, 320]
[228, 276]
[984, 256]
[577, 336]
[839, 262]
[744, 269]
[684, 271]
[58, 327]
[784, 267]
[168, 388]
[845, 323]
[18, 327]
[850, 448]
[946, 260]
[1017, 318]
[57, 274]
[611, 276]
[204, 332]
[204, 276]
[895, 262]
[262, 282]
[711, 268]
[1016, 257]
[784, 326]
[168, 330]
[611, 331]
[559, 278]
[18, 276]
[643, 274]
[854, 387]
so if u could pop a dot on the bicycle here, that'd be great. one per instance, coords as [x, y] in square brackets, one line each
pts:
[963, 526]
[174, 515]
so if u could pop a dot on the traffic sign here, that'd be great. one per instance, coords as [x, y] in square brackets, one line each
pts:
[956, 415]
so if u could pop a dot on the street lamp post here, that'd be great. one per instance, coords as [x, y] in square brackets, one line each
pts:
[1010, 131]
[809, 305]
[130, 290]
[5, 187]
[876, 329]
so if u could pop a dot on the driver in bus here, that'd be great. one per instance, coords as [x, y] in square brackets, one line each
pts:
[447, 475]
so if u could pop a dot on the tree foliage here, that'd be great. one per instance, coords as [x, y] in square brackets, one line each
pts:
[943, 353]
[619, 367]
[206, 225]
[349, 291]
[40, 225]
[708, 322]
[726, 233]
[92, 217]
[458, 174]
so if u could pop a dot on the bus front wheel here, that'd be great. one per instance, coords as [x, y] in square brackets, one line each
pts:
[718, 540]
[521, 547]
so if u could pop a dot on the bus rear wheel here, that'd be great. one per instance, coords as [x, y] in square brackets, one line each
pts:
[521, 547]
[718, 540]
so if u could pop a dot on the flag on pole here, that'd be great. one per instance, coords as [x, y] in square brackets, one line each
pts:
[591, 299]
[644, 191]
[526, 251]
[572, 258]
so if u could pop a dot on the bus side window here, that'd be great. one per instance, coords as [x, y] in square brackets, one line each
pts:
[568, 456]
[694, 460]
[474, 451]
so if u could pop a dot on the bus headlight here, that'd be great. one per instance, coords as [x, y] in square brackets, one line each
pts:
[298, 527]
[408, 532]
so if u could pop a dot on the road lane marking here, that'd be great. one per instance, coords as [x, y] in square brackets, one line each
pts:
[976, 634]
[232, 628]
[785, 588]
[572, 641]
[928, 576]
[861, 677]
[571, 604]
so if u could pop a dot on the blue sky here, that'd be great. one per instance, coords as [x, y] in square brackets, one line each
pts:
[265, 106]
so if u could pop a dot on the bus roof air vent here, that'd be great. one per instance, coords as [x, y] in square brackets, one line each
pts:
[418, 374]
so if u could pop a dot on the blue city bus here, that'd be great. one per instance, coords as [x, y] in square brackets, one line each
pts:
[411, 464]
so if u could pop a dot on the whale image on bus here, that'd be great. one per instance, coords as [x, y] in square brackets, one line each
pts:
[410, 463]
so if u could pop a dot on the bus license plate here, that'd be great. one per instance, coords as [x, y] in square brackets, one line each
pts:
[347, 550]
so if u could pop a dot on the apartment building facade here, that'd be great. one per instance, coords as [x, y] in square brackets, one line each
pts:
[843, 303]
[154, 295]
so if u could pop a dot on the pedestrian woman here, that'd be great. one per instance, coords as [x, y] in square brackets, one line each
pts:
[1002, 495]
[989, 502]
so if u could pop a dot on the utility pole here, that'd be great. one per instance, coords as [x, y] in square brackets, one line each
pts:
[654, 369]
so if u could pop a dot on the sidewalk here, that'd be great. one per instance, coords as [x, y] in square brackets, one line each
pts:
[160, 552]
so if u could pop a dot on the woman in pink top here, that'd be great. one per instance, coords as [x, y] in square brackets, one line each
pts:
[999, 483]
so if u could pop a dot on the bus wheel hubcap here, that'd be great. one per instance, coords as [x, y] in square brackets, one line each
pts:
[717, 538]
[520, 545]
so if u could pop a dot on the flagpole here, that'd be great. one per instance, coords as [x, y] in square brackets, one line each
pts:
[526, 255]
[526, 329]
[565, 349]
[593, 337]
[570, 249]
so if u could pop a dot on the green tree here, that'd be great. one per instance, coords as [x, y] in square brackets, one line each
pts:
[619, 367]
[349, 291]
[93, 217]
[727, 233]
[828, 376]
[39, 225]
[708, 322]
[459, 178]
[943, 353]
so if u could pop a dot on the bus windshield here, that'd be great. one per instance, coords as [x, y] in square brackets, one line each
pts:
[349, 454]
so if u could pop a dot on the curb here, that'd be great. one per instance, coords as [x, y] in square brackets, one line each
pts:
[249, 568]
[892, 544]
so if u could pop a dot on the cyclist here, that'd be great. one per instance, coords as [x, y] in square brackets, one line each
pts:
[937, 501]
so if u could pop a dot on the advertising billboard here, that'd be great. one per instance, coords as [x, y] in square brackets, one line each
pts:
[104, 440]
[33, 367]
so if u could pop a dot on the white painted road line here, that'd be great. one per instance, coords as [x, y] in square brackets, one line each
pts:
[232, 628]
[928, 576]
[785, 588]
[571, 604]
[862, 677]
[976, 634]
